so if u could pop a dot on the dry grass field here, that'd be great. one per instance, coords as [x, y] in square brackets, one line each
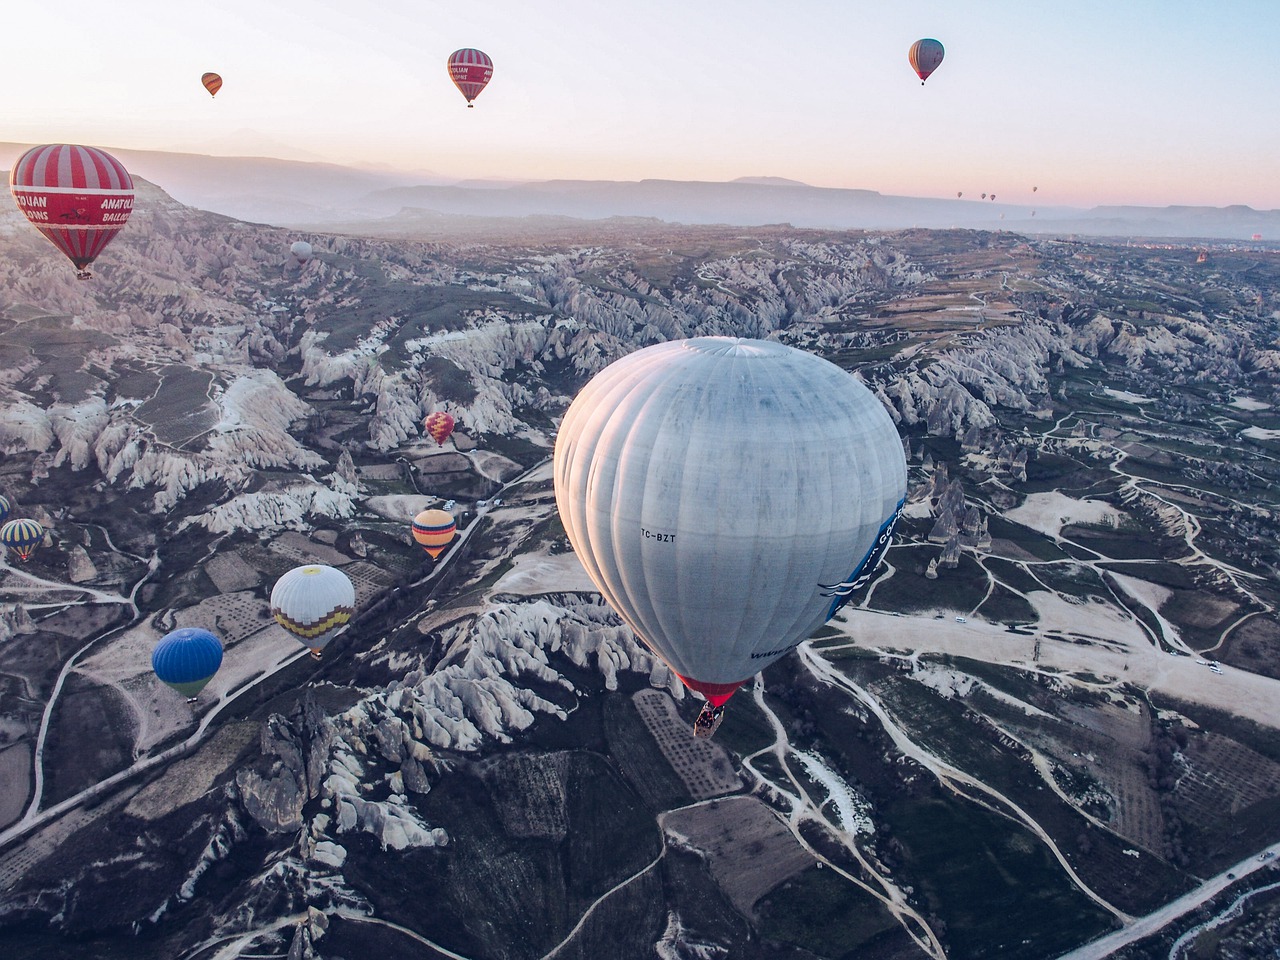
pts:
[748, 849]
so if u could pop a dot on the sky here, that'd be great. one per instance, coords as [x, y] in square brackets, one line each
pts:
[1094, 102]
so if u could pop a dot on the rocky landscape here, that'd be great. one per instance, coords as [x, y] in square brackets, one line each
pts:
[1058, 691]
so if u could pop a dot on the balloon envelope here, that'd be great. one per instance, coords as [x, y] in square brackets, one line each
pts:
[212, 82]
[470, 70]
[434, 531]
[726, 496]
[187, 659]
[4, 509]
[924, 57]
[78, 197]
[439, 426]
[22, 537]
[314, 603]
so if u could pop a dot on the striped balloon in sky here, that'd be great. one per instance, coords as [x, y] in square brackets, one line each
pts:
[22, 537]
[187, 659]
[314, 603]
[78, 197]
[212, 82]
[434, 530]
[924, 57]
[470, 70]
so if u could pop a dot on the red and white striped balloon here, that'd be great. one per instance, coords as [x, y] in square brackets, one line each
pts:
[470, 70]
[78, 197]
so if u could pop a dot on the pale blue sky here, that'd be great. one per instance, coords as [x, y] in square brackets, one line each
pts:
[1094, 101]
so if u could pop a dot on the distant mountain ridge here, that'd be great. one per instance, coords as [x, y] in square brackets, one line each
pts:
[297, 193]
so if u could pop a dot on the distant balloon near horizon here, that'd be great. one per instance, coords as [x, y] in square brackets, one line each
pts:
[186, 659]
[301, 252]
[314, 603]
[959, 193]
[78, 197]
[212, 82]
[22, 536]
[470, 70]
[925, 57]
[726, 496]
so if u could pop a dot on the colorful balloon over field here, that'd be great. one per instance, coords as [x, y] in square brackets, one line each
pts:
[726, 496]
[313, 602]
[439, 426]
[186, 659]
[4, 509]
[78, 197]
[434, 530]
[470, 70]
[924, 57]
[22, 537]
[300, 251]
[212, 82]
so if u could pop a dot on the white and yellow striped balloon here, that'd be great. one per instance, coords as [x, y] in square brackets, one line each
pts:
[314, 603]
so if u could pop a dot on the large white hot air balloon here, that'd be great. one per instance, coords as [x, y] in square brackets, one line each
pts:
[725, 496]
[313, 602]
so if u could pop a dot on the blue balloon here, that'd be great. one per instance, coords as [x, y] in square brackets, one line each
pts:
[187, 659]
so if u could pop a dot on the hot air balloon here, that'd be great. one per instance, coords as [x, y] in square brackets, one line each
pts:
[313, 602]
[4, 509]
[993, 196]
[300, 251]
[726, 496]
[434, 530]
[187, 659]
[78, 197]
[470, 70]
[984, 196]
[924, 57]
[22, 537]
[1034, 189]
[1257, 236]
[439, 426]
[212, 82]
[959, 193]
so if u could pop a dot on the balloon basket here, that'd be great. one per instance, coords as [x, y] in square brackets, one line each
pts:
[708, 722]
[83, 275]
